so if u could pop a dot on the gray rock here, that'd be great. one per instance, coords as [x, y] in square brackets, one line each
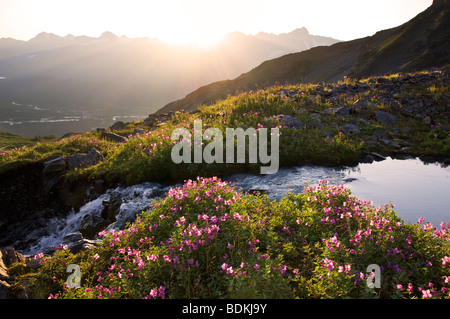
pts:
[76, 242]
[85, 160]
[368, 159]
[259, 189]
[149, 121]
[72, 237]
[291, 121]
[339, 110]
[111, 207]
[385, 118]
[350, 129]
[54, 165]
[359, 106]
[138, 131]
[301, 111]
[91, 225]
[119, 125]
[114, 137]
[377, 157]
[427, 120]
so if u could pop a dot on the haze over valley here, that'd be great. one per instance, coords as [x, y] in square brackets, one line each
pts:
[54, 84]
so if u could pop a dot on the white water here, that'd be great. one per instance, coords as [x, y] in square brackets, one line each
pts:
[416, 189]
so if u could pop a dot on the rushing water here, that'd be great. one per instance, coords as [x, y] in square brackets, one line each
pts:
[416, 189]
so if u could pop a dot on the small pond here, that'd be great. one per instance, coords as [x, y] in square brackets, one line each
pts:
[416, 189]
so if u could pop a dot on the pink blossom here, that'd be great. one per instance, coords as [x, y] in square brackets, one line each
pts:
[426, 293]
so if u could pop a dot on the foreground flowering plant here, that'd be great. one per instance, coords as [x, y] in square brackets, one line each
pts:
[208, 240]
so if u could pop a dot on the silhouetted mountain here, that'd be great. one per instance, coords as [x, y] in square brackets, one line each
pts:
[421, 43]
[134, 74]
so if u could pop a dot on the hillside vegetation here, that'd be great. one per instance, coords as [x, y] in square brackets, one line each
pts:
[326, 124]
[421, 43]
[206, 239]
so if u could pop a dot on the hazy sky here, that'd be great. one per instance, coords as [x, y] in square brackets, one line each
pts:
[203, 21]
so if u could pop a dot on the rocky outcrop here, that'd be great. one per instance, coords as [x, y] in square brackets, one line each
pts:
[385, 118]
[8, 256]
[77, 161]
[113, 137]
[290, 121]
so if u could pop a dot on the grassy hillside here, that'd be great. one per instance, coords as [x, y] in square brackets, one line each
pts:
[418, 102]
[208, 240]
[9, 140]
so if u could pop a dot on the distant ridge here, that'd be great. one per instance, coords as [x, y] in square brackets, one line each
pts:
[421, 43]
[112, 73]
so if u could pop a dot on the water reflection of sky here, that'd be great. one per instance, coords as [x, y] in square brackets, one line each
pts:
[416, 189]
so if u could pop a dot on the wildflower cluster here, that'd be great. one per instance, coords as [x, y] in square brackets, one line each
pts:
[205, 239]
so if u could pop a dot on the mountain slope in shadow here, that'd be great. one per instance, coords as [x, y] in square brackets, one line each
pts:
[421, 43]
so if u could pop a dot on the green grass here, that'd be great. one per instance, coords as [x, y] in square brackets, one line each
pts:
[9, 140]
[147, 157]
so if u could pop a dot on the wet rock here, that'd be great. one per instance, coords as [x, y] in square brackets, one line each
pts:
[259, 190]
[85, 160]
[111, 207]
[76, 242]
[385, 118]
[91, 225]
[368, 159]
[377, 157]
[359, 106]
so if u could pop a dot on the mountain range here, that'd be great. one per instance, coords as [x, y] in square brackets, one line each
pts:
[421, 43]
[136, 74]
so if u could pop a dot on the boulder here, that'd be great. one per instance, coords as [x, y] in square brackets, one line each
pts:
[350, 129]
[76, 242]
[138, 131]
[111, 207]
[291, 121]
[54, 165]
[339, 110]
[85, 160]
[91, 225]
[114, 137]
[259, 190]
[385, 118]
[149, 121]
[9, 256]
[359, 106]
[119, 125]
[4, 290]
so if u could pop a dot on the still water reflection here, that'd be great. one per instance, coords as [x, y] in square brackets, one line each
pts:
[416, 189]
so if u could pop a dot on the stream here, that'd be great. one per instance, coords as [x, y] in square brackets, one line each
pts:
[416, 189]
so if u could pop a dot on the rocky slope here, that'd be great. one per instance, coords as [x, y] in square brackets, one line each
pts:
[420, 43]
